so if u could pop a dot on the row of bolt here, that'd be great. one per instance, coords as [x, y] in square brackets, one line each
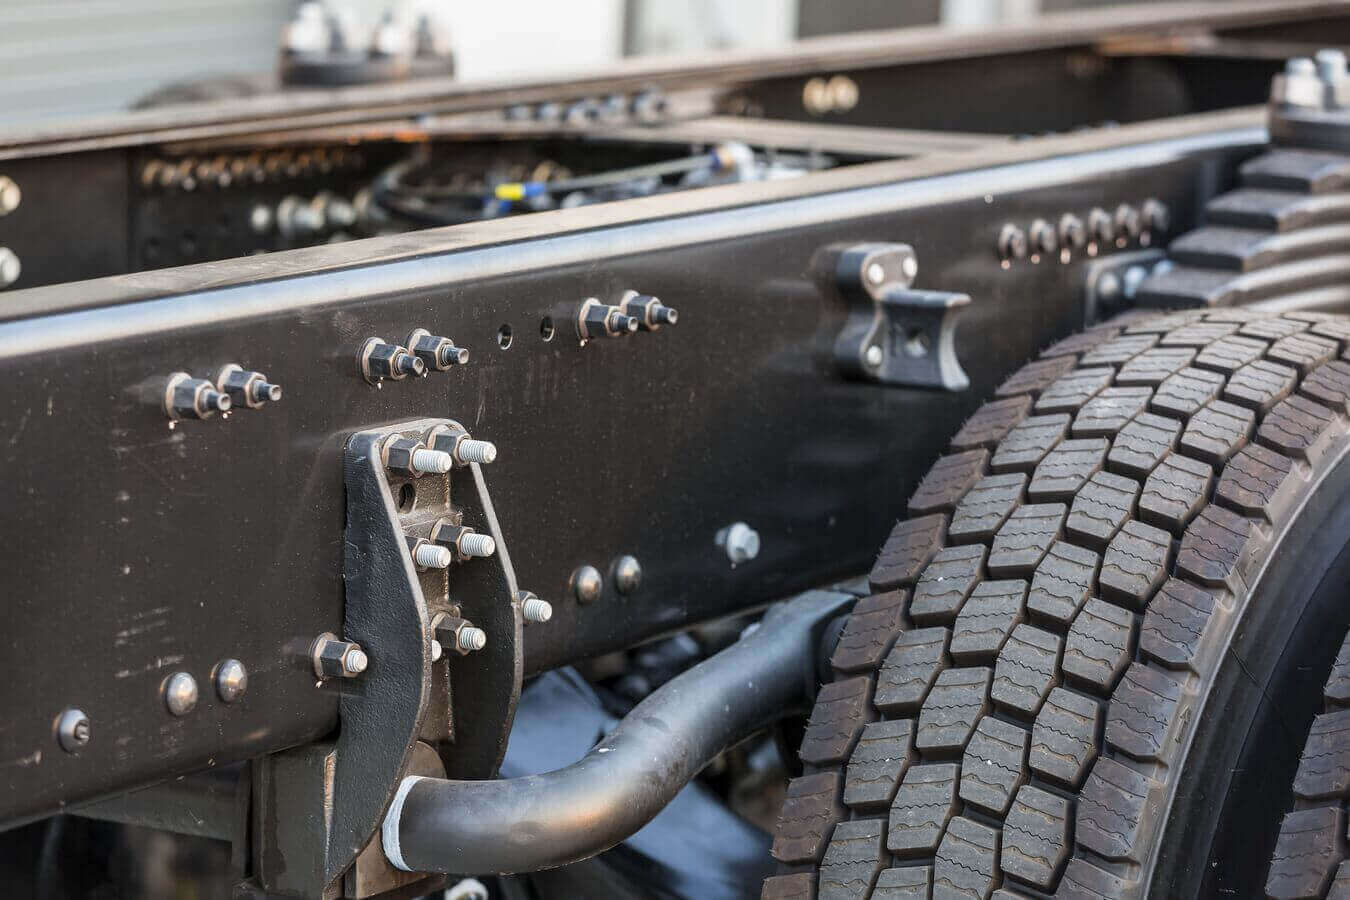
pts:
[10, 264]
[1101, 229]
[634, 312]
[643, 107]
[1319, 83]
[233, 387]
[180, 695]
[188, 173]
[420, 354]
[738, 541]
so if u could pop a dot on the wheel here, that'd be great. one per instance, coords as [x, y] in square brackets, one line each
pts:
[1065, 661]
[1311, 858]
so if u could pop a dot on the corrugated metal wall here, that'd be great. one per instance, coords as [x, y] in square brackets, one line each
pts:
[66, 57]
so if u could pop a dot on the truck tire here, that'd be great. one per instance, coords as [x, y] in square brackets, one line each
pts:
[1067, 658]
[1311, 858]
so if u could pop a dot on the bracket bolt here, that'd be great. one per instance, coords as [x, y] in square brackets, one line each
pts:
[231, 680]
[1331, 65]
[1043, 237]
[533, 609]
[472, 638]
[246, 389]
[10, 195]
[432, 556]
[649, 311]
[436, 352]
[469, 450]
[1101, 226]
[1157, 217]
[473, 544]
[437, 651]
[458, 634]
[431, 462]
[1012, 242]
[186, 397]
[336, 658]
[627, 574]
[180, 693]
[379, 361]
[72, 730]
[587, 584]
[740, 541]
[595, 319]
[1127, 221]
[874, 356]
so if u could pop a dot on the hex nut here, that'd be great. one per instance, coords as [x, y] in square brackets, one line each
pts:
[73, 730]
[186, 397]
[458, 634]
[436, 352]
[379, 360]
[336, 658]
[398, 455]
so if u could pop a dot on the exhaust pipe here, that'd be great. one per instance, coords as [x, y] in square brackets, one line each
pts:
[543, 821]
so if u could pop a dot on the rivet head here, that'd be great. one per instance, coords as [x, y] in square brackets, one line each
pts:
[180, 693]
[72, 730]
[740, 541]
[587, 583]
[231, 680]
[627, 574]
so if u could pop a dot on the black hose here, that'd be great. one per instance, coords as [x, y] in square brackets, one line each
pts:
[542, 821]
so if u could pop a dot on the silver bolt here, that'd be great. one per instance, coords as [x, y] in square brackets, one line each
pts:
[10, 195]
[1134, 277]
[355, 662]
[472, 638]
[260, 219]
[909, 267]
[437, 651]
[180, 693]
[231, 680]
[10, 267]
[1300, 65]
[740, 541]
[432, 462]
[627, 574]
[432, 556]
[873, 356]
[474, 544]
[587, 583]
[1108, 286]
[533, 609]
[471, 451]
[1331, 64]
[876, 273]
[72, 730]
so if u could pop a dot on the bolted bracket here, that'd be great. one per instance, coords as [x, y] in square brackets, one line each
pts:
[894, 334]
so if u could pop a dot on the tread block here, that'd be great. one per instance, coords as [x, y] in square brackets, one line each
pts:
[1198, 334]
[958, 698]
[1324, 769]
[1151, 321]
[1119, 349]
[1329, 385]
[853, 860]
[1142, 444]
[1021, 543]
[1067, 468]
[810, 809]
[1064, 737]
[1152, 367]
[1028, 442]
[1218, 431]
[1109, 411]
[1036, 837]
[1306, 853]
[967, 861]
[947, 482]
[1081, 342]
[1251, 481]
[910, 670]
[1101, 508]
[1175, 623]
[884, 751]
[1175, 491]
[946, 583]
[924, 804]
[1026, 669]
[1303, 351]
[801, 886]
[990, 423]
[1135, 563]
[1260, 385]
[1110, 809]
[912, 543]
[904, 883]
[841, 710]
[994, 765]
[987, 619]
[1304, 171]
[1272, 328]
[1141, 711]
[1337, 689]
[869, 631]
[986, 507]
[1063, 582]
[1229, 354]
[1084, 881]
[1335, 327]
[1071, 390]
[1297, 426]
[1035, 377]
[1098, 647]
[1213, 545]
[1185, 392]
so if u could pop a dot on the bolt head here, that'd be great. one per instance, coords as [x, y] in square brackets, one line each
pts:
[740, 541]
[10, 195]
[587, 584]
[874, 356]
[1012, 242]
[627, 574]
[72, 730]
[1108, 286]
[355, 661]
[876, 273]
[180, 693]
[231, 680]
[10, 267]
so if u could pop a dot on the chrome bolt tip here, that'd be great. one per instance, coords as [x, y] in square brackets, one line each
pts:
[218, 401]
[536, 610]
[355, 662]
[433, 556]
[231, 680]
[874, 356]
[437, 651]
[432, 462]
[909, 266]
[479, 545]
[1300, 65]
[876, 273]
[472, 638]
[180, 693]
[454, 356]
[471, 451]
[73, 730]
[269, 392]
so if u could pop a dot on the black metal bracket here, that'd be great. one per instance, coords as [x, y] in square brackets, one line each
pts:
[1111, 283]
[894, 334]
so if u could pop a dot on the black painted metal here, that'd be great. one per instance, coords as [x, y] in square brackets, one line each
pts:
[541, 821]
[223, 538]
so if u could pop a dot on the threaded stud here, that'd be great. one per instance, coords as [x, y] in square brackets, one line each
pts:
[471, 451]
[474, 544]
[536, 610]
[472, 638]
[432, 462]
[432, 556]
